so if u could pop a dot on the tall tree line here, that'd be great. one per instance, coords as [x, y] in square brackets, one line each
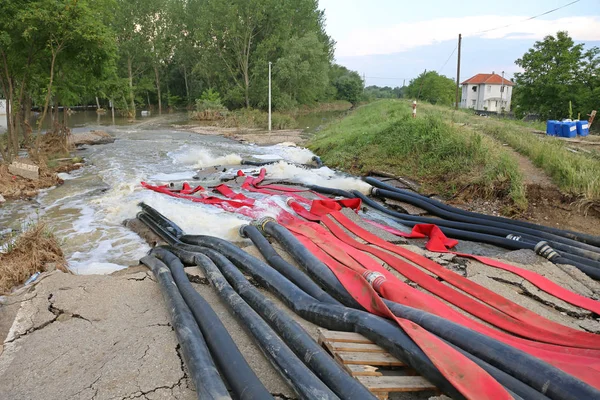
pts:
[162, 54]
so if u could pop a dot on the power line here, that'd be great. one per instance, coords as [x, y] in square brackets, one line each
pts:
[527, 19]
[381, 77]
[449, 57]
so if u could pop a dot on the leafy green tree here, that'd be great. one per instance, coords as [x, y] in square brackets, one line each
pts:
[433, 88]
[348, 85]
[556, 71]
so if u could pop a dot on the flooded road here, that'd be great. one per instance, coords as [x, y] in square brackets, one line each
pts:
[87, 211]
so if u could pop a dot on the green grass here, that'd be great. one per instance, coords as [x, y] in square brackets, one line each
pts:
[577, 174]
[441, 155]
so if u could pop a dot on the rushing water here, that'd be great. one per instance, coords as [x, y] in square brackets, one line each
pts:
[87, 211]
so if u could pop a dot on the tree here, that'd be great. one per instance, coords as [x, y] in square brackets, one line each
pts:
[556, 71]
[348, 84]
[433, 88]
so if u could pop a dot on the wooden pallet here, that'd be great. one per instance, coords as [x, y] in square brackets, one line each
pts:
[374, 367]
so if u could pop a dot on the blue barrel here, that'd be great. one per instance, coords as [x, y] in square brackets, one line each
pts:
[569, 129]
[583, 128]
[551, 127]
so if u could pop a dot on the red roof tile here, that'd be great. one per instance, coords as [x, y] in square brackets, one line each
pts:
[491, 79]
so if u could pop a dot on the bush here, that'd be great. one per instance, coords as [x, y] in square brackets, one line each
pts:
[257, 119]
[209, 107]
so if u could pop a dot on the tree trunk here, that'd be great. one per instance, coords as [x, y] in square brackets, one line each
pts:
[131, 95]
[158, 90]
[187, 87]
[97, 103]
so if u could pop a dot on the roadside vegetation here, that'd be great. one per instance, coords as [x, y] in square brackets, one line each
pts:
[442, 156]
[34, 250]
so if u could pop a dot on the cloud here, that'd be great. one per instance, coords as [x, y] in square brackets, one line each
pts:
[406, 36]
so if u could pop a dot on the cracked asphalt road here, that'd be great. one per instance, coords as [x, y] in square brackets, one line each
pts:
[106, 337]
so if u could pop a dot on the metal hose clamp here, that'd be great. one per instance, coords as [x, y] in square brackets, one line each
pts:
[544, 250]
[373, 191]
[260, 224]
[241, 231]
[375, 279]
[514, 237]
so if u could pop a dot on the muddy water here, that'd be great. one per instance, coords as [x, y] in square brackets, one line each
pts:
[87, 211]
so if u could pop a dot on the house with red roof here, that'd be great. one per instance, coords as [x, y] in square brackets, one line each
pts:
[487, 92]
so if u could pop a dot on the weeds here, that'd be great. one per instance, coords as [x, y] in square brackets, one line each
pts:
[443, 156]
[29, 253]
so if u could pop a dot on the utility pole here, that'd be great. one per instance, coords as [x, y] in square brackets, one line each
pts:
[269, 96]
[458, 71]
[502, 93]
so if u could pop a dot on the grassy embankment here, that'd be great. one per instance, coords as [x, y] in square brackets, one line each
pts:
[442, 156]
[32, 251]
[576, 174]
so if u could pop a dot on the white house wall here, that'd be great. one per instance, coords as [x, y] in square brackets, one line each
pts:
[485, 97]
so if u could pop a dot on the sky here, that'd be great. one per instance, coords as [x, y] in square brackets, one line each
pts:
[392, 41]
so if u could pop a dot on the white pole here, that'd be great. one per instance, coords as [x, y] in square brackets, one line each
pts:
[502, 92]
[269, 96]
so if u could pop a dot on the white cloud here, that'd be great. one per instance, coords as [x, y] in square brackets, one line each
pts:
[406, 36]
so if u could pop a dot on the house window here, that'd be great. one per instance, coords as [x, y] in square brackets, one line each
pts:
[473, 103]
[489, 88]
[501, 88]
[496, 103]
[474, 88]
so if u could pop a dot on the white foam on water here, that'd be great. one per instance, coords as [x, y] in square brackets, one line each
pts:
[199, 219]
[267, 157]
[202, 157]
[175, 176]
[321, 176]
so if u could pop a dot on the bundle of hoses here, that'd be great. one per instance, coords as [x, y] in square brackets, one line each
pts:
[520, 374]
[559, 246]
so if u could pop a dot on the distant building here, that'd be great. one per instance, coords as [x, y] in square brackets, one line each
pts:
[487, 92]
[2, 107]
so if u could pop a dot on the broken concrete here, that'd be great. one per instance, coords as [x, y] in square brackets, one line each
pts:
[25, 169]
[90, 138]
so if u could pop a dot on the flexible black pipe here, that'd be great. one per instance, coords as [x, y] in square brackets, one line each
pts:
[330, 316]
[298, 375]
[530, 370]
[291, 272]
[304, 258]
[443, 213]
[586, 267]
[201, 367]
[258, 163]
[162, 232]
[491, 230]
[330, 191]
[318, 161]
[303, 345]
[518, 387]
[293, 303]
[577, 236]
[161, 219]
[239, 375]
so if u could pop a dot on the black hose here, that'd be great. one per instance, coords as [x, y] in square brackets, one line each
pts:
[577, 236]
[170, 226]
[299, 377]
[289, 271]
[318, 161]
[201, 367]
[331, 317]
[308, 261]
[504, 223]
[258, 163]
[243, 381]
[528, 369]
[588, 267]
[303, 345]
[330, 191]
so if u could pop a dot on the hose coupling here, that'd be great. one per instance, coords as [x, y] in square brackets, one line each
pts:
[375, 279]
[373, 191]
[260, 224]
[289, 200]
[544, 250]
[241, 231]
[514, 237]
